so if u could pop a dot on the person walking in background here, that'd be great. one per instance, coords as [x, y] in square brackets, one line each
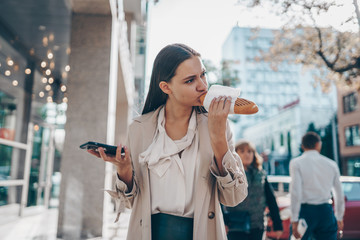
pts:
[180, 162]
[246, 220]
[313, 178]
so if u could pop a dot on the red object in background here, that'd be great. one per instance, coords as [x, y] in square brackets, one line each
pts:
[351, 188]
[7, 133]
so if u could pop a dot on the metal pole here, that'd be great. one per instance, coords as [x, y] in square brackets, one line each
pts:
[50, 161]
[25, 188]
[334, 140]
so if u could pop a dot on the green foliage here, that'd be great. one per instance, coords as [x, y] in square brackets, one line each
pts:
[326, 136]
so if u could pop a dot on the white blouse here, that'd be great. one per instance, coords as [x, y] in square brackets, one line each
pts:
[172, 177]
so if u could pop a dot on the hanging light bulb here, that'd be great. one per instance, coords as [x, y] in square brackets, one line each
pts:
[43, 64]
[67, 68]
[41, 94]
[48, 72]
[51, 80]
[52, 65]
[48, 87]
[44, 80]
[10, 62]
[45, 41]
[50, 55]
[63, 88]
[7, 73]
[51, 37]
[27, 71]
[15, 83]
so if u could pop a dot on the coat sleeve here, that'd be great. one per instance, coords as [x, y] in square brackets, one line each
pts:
[273, 207]
[233, 186]
[122, 196]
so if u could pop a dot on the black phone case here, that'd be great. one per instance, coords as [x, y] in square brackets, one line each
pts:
[109, 149]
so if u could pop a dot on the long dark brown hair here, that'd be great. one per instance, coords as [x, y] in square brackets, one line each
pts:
[165, 65]
[257, 160]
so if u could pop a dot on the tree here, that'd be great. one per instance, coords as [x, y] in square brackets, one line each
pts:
[334, 51]
[326, 136]
[224, 76]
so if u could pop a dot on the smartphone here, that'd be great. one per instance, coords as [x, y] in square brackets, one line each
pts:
[109, 149]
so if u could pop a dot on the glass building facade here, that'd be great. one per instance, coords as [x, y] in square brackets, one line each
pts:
[34, 49]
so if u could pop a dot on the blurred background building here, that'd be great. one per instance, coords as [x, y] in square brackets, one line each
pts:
[66, 61]
[349, 130]
[287, 100]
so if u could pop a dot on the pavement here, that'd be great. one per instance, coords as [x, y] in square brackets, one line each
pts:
[41, 224]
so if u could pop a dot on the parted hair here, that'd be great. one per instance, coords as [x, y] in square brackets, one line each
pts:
[310, 139]
[164, 69]
[257, 160]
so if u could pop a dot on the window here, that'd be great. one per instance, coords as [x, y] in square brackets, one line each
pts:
[351, 190]
[352, 135]
[350, 102]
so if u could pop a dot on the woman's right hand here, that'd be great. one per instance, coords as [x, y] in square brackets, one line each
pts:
[122, 163]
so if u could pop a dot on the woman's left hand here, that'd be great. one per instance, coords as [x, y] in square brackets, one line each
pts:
[218, 112]
[217, 118]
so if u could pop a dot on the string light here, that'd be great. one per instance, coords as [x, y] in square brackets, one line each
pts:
[49, 99]
[27, 71]
[51, 37]
[50, 55]
[44, 80]
[51, 80]
[7, 73]
[48, 72]
[41, 94]
[45, 41]
[10, 62]
[65, 100]
[43, 64]
[15, 83]
[67, 68]
[48, 87]
[63, 88]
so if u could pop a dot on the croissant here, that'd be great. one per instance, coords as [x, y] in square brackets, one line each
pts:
[241, 106]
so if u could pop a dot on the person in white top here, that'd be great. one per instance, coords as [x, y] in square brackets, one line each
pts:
[314, 180]
[180, 162]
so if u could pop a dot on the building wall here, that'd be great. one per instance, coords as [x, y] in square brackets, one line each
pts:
[350, 155]
[270, 90]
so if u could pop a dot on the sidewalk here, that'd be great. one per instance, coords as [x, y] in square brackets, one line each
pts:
[43, 226]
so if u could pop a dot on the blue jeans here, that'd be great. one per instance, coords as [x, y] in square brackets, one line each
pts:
[321, 222]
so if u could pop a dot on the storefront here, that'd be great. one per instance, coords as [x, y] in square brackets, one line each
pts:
[33, 101]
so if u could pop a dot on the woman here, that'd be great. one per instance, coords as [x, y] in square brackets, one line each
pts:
[260, 195]
[180, 162]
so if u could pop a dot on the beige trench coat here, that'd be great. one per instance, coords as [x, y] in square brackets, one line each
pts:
[209, 193]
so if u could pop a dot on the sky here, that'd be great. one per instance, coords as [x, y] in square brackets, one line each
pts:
[205, 24]
[201, 24]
